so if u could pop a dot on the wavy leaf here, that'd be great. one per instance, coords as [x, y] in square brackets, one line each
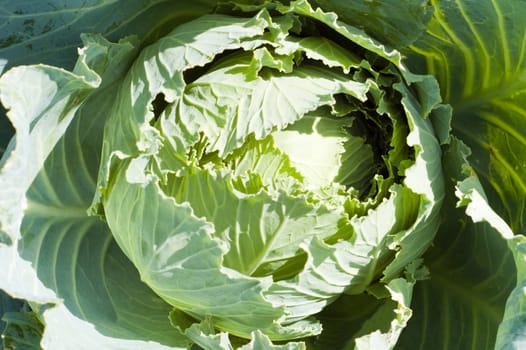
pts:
[472, 271]
[477, 51]
[394, 22]
[59, 254]
[49, 33]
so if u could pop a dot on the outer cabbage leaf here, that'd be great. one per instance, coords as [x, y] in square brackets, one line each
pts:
[472, 272]
[476, 50]
[57, 253]
[37, 32]
[394, 22]
[511, 334]
[20, 327]
[34, 32]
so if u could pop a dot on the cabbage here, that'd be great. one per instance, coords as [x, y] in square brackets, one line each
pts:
[263, 175]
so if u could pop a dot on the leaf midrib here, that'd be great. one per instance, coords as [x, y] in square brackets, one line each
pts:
[63, 210]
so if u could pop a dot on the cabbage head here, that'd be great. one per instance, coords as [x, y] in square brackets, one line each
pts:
[263, 175]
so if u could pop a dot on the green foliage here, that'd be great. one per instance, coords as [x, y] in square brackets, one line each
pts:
[20, 327]
[263, 175]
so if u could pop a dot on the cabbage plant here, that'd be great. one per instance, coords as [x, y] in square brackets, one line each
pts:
[263, 175]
